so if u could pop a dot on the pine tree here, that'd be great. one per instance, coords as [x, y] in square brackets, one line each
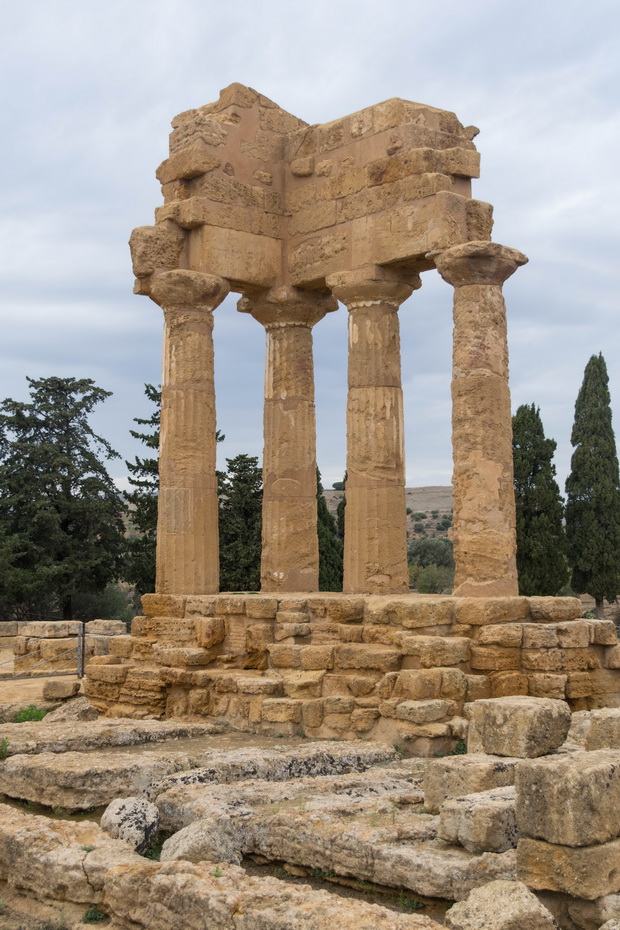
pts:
[61, 515]
[240, 513]
[330, 546]
[342, 503]
[593, 491]
[144, 476]
[541, 541]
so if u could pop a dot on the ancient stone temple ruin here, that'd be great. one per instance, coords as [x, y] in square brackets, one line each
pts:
[295, 219]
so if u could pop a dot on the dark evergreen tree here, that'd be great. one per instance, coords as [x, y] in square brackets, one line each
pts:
[330, 545]
[241, 500]
[541, 541]
[60, 513]
[142, 501]
[593, 491]
[342, 503]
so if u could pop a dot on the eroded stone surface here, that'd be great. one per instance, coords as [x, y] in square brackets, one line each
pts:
[132, 820]
[500, 905]
[523, 727]
[462, 775]
[480, 822]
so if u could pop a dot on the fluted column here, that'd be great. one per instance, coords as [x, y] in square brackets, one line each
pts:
[484, 525]
[187, 530]
[375, 536]
[290, 549]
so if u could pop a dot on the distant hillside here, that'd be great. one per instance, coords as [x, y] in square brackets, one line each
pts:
[430, 508]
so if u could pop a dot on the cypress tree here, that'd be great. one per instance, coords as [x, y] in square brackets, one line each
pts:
[342, 503]
[144, 477]
[240, 519]
[541, 542]
[330, 546]
[593, 491]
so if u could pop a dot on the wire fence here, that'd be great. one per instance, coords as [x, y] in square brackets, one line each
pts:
[47, 657]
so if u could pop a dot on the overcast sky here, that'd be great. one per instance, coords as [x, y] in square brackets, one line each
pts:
[87, 93]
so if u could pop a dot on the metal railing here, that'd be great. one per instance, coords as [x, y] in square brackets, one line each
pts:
[73, 666]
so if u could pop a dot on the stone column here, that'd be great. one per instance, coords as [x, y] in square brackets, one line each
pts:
[290, 549]
[187, 534]
[483, 484]
[375, 537]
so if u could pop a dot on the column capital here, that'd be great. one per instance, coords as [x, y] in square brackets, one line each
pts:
[374, 286]
[287, 306]
[188, 290]
[477, 263]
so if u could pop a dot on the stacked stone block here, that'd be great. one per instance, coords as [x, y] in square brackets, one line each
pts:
[402, 669]
[52, 646]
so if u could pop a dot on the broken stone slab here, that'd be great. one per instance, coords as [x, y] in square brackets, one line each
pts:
[389, 853]
[456, 776]
[570, 799]
[57, 859]
[76, 709]
[217, 839]
[52, 736]
[483, 822]
[500, 905]
[523, 727]
[160, 895]
[280, 764]
[584, 872]
[376, 790]
[132, 820]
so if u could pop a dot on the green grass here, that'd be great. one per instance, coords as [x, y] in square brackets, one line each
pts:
[93, 915]
[4, 748]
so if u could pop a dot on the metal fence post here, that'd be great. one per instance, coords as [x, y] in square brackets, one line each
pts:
[81, 648]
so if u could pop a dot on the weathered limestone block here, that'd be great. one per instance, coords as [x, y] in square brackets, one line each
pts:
[437, 650]
[166, 654]
[597, 729]
[495, 658]
[58, 859]
[209, 631]
[507, 683]
[503, 634]
[56, 689]
[571, 800]
[555, 609]
[303, 684]
[213, 839]
[114, 674]
[160, 895]
[547, 685]
[79, 708]
[281, 710]
[423, 711]
[500, 905]
[490, 610]
[132, 820]
[456, 776]
[584, 872]
[367, 656]
[163, 605]
[525, 727]
[482, 822]
[603, 632]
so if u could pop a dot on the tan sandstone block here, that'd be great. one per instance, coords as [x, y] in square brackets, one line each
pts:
[554, 609]
[209, 631]
[605, 681]
[453, 684]
[281, 710]
[121, 647]
[414, 613]
[317, 657]
[434, 651]
[345, 609]
[416, 685]
[261, 608]
[509, 635]
[364, 718]
[258, 637]
[477, 687]
[507, 684]
[572, 799]
[478, 611]
[483, 822]
[312, 713]
[56, 689]
[303, 684]
[523, 727]
[423, 711]
[537, 636]
[366, 656]
[578, 685]
[111, 673]
[611, 657]
[558, 660]
[456, 776]
[169, 655]
[583, 872]
[602, 632]
[495, 658]
[284, 656]
[547, 685]
[163, 605]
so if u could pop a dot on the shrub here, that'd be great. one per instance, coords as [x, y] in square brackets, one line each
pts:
[30, 714]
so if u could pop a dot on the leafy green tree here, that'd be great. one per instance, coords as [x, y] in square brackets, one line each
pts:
[593, 491]
[142, 501]
[541, 541]
[330, 545]
[431, 551]
[60, 513]
[241, 499]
